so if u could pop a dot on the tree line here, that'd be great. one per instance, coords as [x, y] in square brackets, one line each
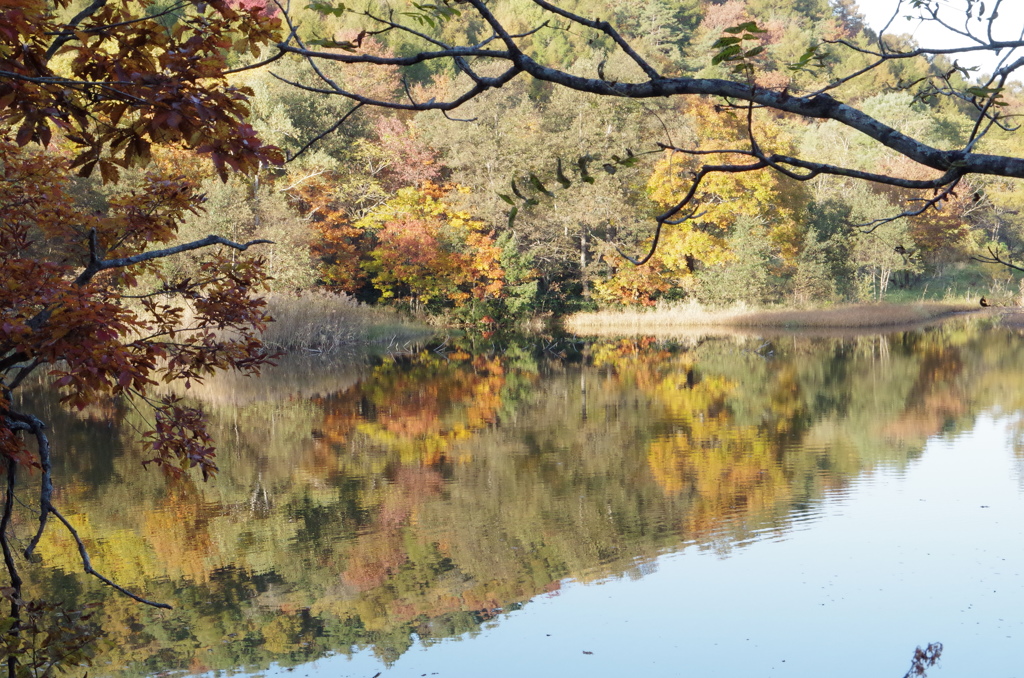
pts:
[538, 199]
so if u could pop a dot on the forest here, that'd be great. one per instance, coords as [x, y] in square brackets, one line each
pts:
[412, 209]
[527, 202]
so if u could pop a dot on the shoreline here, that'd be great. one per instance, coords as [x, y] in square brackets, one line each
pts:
[846, 320]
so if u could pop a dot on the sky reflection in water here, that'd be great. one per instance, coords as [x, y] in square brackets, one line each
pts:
[630, 510]
[901, 559]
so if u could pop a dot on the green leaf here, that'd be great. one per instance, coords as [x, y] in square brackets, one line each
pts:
[326, 42]
[325, 8]
[584, 174]
[754, 52]
[431, 15]
[438, 10]
[748, 27]
[539, 186]
[515, 189]
[984, 91]
[512, 216]
[422, 19]
[725, 42]
[560, 175]
[507, 198]
[805, 58]
[727, 54]
[628, 161]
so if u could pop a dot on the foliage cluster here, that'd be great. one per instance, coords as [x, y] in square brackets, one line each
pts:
[407, 209]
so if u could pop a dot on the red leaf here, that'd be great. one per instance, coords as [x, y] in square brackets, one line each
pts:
[25, 132]
[44, 132]
[87, 169]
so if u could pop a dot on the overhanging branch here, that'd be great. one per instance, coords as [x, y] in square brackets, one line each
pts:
[31, 424]
[98, 264]
[817, 105]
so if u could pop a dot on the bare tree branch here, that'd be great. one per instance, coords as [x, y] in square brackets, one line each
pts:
[88, 568]
[333, 128]
[5, 524]
[62, 39]
[97, 263]
[608, 30]
[37, 428]
[8, 553]
[996, 258]
[815, 106]
[26, 422]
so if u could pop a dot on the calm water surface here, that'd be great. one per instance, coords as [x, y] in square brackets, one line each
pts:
[721, 507]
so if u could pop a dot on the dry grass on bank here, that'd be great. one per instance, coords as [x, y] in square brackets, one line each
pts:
[298, 376]
[856, 315]
[691, 315]
[323, 323]
[326, 339]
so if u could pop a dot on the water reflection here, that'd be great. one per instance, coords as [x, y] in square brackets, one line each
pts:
[418, 498]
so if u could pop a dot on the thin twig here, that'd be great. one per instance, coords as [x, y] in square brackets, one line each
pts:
[333, 128]
[19, 421]
[87, 565]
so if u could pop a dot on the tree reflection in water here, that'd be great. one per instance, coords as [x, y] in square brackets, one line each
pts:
[416, 498]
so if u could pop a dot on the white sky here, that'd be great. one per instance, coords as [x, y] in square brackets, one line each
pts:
[1008, 25]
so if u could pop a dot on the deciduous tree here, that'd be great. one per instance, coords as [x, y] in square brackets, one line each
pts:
[99, 89]
[427, 252]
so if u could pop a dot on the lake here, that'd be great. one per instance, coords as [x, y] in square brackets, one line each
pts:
[732, 506]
